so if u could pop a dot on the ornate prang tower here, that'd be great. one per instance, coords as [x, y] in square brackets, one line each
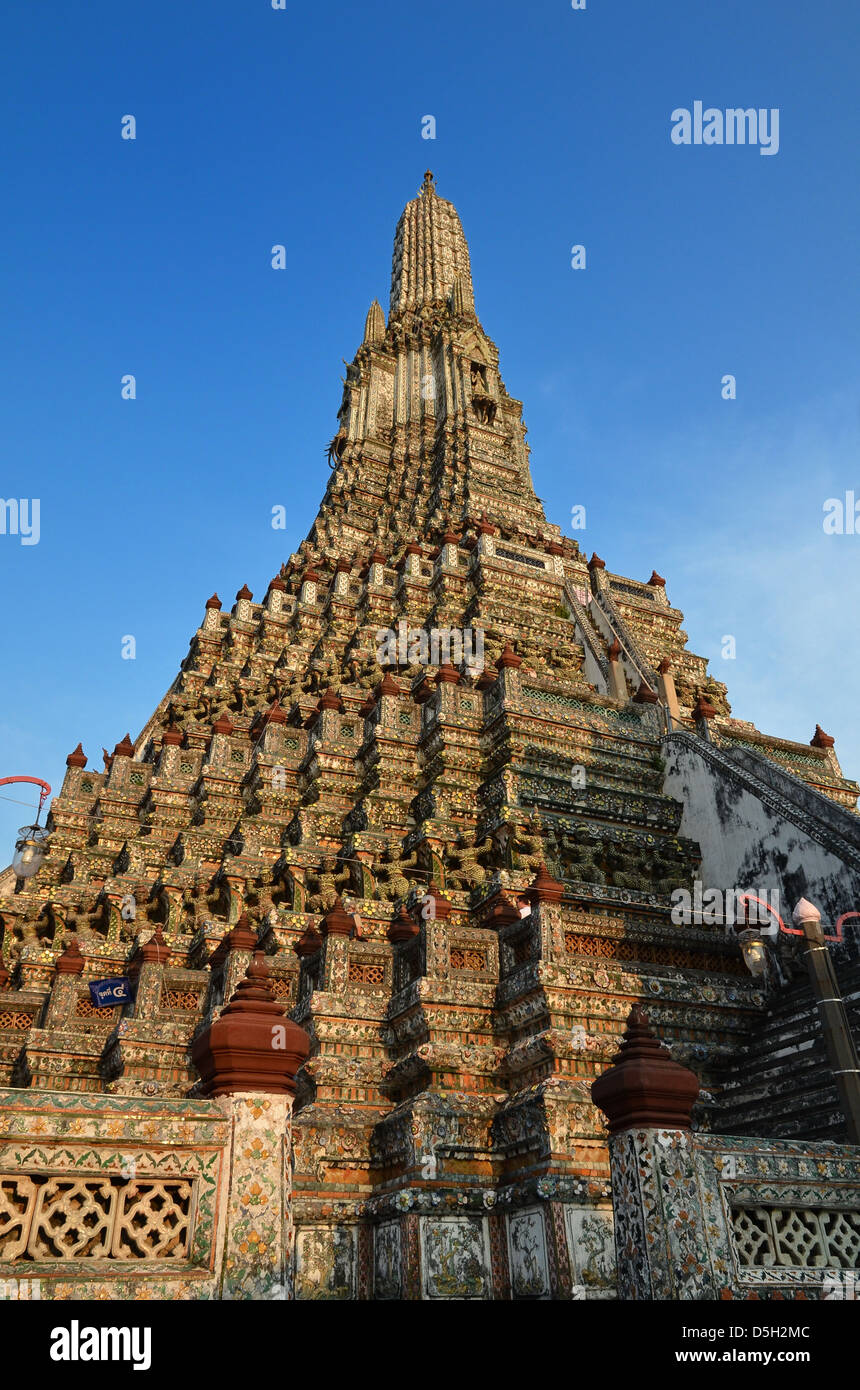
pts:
[459, 870]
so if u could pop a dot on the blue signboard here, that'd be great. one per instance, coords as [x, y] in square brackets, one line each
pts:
[106, 993]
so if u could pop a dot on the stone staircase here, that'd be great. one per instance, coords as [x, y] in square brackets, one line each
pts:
[779, 1085]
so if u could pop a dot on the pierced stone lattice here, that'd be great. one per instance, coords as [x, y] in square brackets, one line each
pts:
[43, 1217]
[654, 955]
[467, 958]
[366, 974]
[186, 999]
[85, 1008]
[800, 1237]
[10, 1018]
[282, 986]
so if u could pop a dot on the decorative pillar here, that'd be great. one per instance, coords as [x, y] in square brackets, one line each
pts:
[336, 928]
[212, 620]
[241, 942]
[617, 680]
[242, 610]
[65, 988]
[703, 712]
[666, 690]
[308, 591]
[248, 1059]
[147, 967]
[648, 1100]
[545, 894]
[341, 578]
[274, 600]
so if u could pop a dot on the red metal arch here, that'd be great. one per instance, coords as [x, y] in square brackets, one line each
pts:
[37, 781]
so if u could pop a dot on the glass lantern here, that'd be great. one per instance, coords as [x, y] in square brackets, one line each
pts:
[29, 850]
[754, 951]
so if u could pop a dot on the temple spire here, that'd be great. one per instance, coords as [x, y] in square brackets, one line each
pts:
[374, 324]
[430, 252]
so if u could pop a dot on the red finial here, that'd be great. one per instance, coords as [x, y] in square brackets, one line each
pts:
[252, 1045]
[703, 709]
[544, 888]
[819, 739]
[509, 657]
[645, 695]
[336, 921]
[403, 928]
[78, 758]
[447, 674]
[71, 962]
[645, 1088]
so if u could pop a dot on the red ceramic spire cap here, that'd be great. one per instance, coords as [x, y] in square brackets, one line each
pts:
[308, 943]
[447, 674]
[244, 593]
[252, 1045]
[544, 888]
[274, 714]
[336, 921]
[441, 906]
[71, 962]
[819, 739]
[645, 1087]
[243, 936]
[703, 709]
[155, 950]
[77, 758]
[124, 749]
[509, 657]
[645, 695]
[403, 928]
[213, 602]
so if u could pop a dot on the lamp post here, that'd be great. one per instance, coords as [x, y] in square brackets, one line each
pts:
[841, 1051]
[30, 845]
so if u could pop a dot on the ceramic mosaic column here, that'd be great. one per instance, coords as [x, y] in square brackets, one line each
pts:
[249, 1058]
[659, 1224]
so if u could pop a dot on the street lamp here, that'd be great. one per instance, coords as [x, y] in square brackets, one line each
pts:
[841, 1051]
[30, 846]
[751, 937]
[29, 850]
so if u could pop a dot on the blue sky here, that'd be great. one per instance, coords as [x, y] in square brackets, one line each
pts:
[303, 127]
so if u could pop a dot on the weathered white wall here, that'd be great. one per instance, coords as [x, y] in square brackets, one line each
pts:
[748, 844]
